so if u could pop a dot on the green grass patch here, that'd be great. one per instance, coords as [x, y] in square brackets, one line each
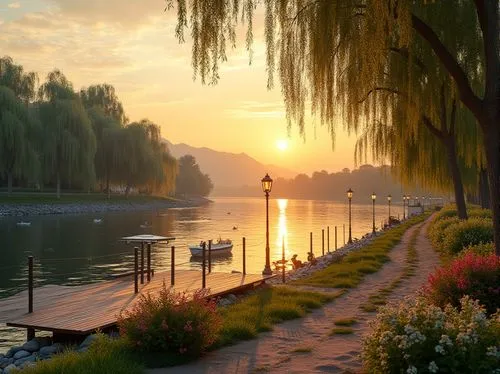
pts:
[302, 350]
[268, 306]
[104, 356]
[345, 322]
[341, 331]
[349, 272]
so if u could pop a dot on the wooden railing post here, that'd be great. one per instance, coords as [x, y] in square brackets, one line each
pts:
[244, 257]
[335, 237]
[203, 275]
[149, 263]
[172, 265]
[322, 242]
[209, 256]
[30, 332]
[311, 243]
[343, 226]
[328, 238]
[142, 263]
[136, 269]
[283, 260]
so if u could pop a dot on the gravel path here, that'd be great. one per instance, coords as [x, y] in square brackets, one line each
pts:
[276, 351]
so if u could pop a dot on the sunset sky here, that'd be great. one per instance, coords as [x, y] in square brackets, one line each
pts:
[131, 45]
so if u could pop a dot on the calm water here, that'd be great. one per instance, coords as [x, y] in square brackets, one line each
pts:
[74, 250]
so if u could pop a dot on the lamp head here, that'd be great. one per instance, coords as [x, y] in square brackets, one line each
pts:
[349, 193]
[389, 197]
[374, 196]
[267, 184]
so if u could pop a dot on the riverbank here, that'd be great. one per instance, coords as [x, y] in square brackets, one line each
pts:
[42, 204]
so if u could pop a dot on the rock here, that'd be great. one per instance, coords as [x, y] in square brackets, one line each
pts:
[232, 298]
[21, 361]
[12, 351]
[46, 352]
[10, 369]
[6, 361]
[88, 341]
[82, 349]
[1, 356]
[114, 334]
[21, 354]
[31, 346]
[224, 302]
[44, 341]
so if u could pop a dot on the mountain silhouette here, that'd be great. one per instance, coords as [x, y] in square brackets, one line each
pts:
[229, 169]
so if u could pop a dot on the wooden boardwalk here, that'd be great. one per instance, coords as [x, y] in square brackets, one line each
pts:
[87, 308]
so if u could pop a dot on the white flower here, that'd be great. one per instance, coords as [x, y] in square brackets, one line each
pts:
[445, 339]
[411, 370]
[493, 351]
[433, 368]
[439, 349]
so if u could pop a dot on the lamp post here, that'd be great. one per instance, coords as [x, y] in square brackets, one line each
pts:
[267, 184]
[349, 196]
[389, 198]
[404, 207]
[373, 202]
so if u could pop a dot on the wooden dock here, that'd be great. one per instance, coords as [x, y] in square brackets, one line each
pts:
[81, 310]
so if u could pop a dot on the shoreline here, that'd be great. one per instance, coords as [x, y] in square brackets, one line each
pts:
[134, 203]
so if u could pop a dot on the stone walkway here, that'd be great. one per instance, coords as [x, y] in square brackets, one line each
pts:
[276, 351]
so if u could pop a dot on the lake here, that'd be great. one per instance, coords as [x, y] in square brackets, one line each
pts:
[72, 249]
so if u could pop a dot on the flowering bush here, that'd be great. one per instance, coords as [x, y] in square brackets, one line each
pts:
[466, 233]
[172, 322]
[480, 213]
[436, 231]
[419, 337]
[483, 249]
[471, 274]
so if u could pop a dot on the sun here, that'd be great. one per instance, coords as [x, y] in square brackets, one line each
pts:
[282, 144]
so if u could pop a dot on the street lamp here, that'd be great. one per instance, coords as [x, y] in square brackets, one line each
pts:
[404, 207]
[267, 184]
[373, 201]
[349, 196]
[389, 198]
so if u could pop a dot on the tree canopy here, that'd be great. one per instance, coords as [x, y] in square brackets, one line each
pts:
[190, 180]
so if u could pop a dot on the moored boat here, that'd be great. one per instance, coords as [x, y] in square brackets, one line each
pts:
[218, 248]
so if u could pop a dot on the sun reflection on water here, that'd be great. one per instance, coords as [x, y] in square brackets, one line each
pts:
[282, 229]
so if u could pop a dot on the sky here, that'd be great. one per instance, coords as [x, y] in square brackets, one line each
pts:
[131, 45]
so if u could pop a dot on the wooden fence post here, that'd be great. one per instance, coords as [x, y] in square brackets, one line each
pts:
[30, 332]
[203, 275]
[209, 256]
[328, 238]
[311, 243]
[343, 227]
[335, 237]
[149, 263]
[322, 242]
[172, 265]
[136, 270]
[244, 256]
[283, 260]
[142, 263]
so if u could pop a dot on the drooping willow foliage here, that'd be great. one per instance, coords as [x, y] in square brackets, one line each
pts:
[52, 135]
[358, 63]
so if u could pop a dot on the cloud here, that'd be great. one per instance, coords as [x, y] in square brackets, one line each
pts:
[254, 109]
[15, 5]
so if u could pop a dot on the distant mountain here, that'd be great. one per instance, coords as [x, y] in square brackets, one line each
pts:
[229, 169]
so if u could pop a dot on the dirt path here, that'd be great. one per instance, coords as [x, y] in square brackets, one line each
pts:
[276, 351]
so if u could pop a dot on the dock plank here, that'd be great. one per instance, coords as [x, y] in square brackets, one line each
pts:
[87, 308]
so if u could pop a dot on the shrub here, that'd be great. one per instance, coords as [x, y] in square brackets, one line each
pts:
[466, 233]
[483, 249]
[172, 322]
[419, 337]
[480, 213]
[436, 231]
[471, 274]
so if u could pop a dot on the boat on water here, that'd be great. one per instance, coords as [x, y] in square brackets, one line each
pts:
[221, 247]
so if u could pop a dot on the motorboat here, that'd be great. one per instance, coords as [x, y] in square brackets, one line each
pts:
[218, 248]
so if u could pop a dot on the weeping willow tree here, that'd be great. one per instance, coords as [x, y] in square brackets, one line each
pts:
[103, 96]
[18, 158]
[21, 83]
[68, 142]
[331, 53]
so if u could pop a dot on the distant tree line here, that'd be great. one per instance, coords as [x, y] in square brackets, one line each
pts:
[53, 136]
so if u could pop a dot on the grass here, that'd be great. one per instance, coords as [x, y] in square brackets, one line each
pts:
[72, 198]
[380, 297]
[105, 356]
[345, 322]
[257, 313]
[352, 268]
[341, 331]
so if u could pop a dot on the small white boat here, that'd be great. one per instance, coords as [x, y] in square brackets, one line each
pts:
[97, 220]
[24, 223]
[218, 248]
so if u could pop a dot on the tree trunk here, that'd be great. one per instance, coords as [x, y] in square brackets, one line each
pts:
[9, 183]
[107, 187]
[458, 186]
[491, 138]
[127, 190]
[484, 191]
[58, 188]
